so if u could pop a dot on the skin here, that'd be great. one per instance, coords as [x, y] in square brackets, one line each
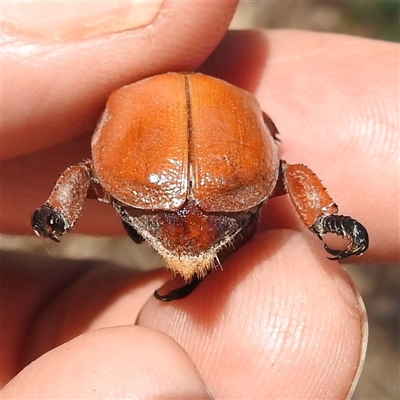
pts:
[280, 315]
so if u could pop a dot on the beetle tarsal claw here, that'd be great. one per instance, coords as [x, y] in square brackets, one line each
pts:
[338, 254]
[345, 227]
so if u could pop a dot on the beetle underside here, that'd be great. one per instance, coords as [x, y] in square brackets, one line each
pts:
[191, 241]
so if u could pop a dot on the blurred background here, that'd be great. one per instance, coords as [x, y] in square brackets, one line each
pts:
[369, 18]
[379, 285]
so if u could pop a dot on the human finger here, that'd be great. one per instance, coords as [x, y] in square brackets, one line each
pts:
[263, 309]
[60, 62]
[279, 315]
[117, 362]
[46, 302]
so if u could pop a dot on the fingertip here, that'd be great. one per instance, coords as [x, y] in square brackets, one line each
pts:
[280, 308]
[118, 362]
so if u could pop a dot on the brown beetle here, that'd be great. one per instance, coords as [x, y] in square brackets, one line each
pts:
[188, 161]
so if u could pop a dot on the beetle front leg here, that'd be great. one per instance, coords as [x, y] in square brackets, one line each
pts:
[64, 206]
[318, 211]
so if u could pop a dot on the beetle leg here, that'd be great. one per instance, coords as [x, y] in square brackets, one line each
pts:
[179, 293]
[271, 126]
[64, 206]
[318, 211]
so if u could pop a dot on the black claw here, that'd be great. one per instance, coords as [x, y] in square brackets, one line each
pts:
[48, 223]
[345, 227]
[272, 127]
[338, 254]
[179, 293]
[276, 137]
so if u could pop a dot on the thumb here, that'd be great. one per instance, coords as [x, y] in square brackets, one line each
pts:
[120, 362]
[60, 65]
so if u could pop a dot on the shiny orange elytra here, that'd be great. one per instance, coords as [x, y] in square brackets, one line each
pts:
[188, 160]
[176, 137]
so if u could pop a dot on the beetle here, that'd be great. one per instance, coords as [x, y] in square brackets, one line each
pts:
[187, 161]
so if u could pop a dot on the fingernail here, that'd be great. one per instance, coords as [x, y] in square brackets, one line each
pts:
[364, 342]
[72, 20]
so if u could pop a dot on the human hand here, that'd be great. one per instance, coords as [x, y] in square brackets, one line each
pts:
[264, 327]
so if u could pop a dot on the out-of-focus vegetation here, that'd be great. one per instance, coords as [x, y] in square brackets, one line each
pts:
[373, 19]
